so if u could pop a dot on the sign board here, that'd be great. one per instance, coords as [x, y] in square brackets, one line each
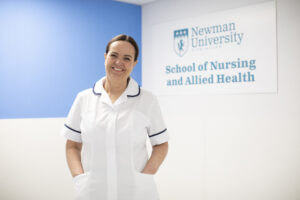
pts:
[232, 51]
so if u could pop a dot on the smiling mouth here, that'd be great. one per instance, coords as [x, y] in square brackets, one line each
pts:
[118, 69]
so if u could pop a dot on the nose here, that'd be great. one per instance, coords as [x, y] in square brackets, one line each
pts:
[118, 61]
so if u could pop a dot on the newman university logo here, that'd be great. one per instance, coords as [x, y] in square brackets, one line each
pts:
[181, 41]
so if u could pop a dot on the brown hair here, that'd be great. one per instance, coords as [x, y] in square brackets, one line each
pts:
[127, 38]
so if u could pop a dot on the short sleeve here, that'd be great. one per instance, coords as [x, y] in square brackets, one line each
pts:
[157, 131]
[71, 129]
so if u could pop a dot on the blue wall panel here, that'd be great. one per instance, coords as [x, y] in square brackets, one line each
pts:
[50, 50]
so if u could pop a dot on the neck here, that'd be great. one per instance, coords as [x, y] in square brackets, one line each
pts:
[115, 88]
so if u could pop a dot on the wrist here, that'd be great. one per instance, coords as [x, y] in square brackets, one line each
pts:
[149, 170]
[76, 174]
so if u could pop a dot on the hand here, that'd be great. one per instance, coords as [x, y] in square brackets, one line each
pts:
[158, 155]
[150, 172]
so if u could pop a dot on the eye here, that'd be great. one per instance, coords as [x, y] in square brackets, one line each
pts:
[127, 59]
[113, 54]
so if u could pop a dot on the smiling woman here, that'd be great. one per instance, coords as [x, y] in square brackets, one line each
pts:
[109, 124]
[120, 59]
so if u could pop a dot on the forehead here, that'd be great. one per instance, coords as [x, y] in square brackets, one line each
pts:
[122, 47]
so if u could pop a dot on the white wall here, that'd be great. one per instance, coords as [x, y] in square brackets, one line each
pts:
[231, 147]
[32, 160]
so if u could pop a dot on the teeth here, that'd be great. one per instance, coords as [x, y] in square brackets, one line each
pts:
[117, 69]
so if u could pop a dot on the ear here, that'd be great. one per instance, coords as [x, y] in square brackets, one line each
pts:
[105, 56]
[135, 62]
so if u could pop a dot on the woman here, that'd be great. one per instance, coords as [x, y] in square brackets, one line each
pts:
[107, 128]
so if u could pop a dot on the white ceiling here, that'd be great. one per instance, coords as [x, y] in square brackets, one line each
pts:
[137, 2]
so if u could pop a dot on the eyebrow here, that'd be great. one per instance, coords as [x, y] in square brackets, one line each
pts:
[124, 55]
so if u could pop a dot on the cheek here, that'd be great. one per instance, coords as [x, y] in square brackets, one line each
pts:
[107, 62]
[130, 67]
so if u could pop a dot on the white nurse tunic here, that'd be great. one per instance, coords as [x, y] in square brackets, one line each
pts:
[114, 142]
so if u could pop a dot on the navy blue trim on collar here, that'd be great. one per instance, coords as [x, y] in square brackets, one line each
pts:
[136, 94]
[158, 133]
[94, 90]
[72, 129]
[139, 92]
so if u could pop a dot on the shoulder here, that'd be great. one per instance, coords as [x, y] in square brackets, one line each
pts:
[84, 94]
[147, 96]
[147, 101]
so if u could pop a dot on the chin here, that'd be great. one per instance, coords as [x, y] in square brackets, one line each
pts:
[118, 76]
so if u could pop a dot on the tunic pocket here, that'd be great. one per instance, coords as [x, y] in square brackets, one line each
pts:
[145, 187]
[80, 182]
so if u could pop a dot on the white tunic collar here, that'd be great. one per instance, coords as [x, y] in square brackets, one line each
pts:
[132, 90]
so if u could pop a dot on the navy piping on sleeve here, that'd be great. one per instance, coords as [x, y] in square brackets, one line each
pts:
[158, 133]
[72, 129]
[136, 94]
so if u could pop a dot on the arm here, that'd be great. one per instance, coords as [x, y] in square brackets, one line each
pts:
[73, 154]
[158, 155]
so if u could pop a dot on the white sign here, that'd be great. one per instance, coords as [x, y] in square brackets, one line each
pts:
[233, 51]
